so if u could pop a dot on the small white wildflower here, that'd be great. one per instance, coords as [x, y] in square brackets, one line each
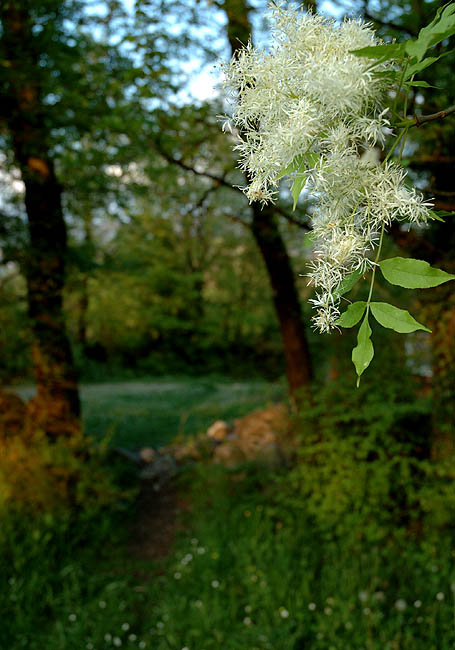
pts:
[284, 613]
[142, 644]
[440, 596]
[108, 637]
[132, 637]
[367, 611]
[215, 584]
[177, 575]
[254, 578]
[248, 609]
[201, 550]
[194, 541]
[312, 607]
[247, 620]
[188, 557]
[72, 617]
[117, 641]
[400, 605]
[348, 625]
[363, 596]
[89, 646]
[160, 625]
[198, 604]
[418, 603]
[102, 604]
[328, 611]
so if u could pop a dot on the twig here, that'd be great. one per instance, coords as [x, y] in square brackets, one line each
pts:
[418, 120]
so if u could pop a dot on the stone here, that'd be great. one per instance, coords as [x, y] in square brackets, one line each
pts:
[218, 430]
[147, 454]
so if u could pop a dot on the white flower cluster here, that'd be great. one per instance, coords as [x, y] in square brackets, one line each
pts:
[310, 107]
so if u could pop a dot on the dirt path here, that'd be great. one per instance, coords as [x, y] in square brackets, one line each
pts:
[157, 521]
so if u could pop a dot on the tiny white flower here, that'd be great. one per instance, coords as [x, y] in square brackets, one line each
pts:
[125, 627]
[248, 609]
[108, 637]
[418, 603]
[400, 605]
[72, 617]
[363, 596]
[440, 596]
[132, 637]
[312, 607]
[89, 646]
[328, 611]
[142, 644]
[201, 550]
[117, 641]
[367, 611]
[177, 575]
[247, 620]
[198, 603]
[284, 613]
[348, 625]
[160, 625]
[194, 541]
[215, 584]
[102, 604]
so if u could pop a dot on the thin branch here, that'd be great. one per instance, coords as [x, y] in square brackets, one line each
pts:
[221, 181]
[418, 120]
[388, 24]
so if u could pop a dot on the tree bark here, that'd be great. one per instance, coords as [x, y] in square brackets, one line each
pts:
[56, 406]
[271, 245]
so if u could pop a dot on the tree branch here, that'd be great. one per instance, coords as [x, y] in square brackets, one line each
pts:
[221, 181]
[418, 120]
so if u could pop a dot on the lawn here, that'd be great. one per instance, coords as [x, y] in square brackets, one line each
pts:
[152, 412]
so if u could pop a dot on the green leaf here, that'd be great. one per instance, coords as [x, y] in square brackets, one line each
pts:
[396, 319]
[440, 28]
[438, 214]
[413, 274]
[292, 167]
[347, 283]
[421, 65]
[419, 84]
[382, 52]
[352, 315]
[363, 353]
[297, 186]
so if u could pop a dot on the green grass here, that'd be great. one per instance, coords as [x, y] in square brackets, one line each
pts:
[151, 413]
[245, 575]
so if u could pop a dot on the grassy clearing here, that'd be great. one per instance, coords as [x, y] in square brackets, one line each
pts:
[152, 412]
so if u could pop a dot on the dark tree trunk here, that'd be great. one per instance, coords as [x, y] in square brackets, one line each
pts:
[271, 245]
[57, 406]
[268, 238]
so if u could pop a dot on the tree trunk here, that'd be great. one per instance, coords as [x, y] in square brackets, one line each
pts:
[56, 406]
[268, 238]
[271, 245]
